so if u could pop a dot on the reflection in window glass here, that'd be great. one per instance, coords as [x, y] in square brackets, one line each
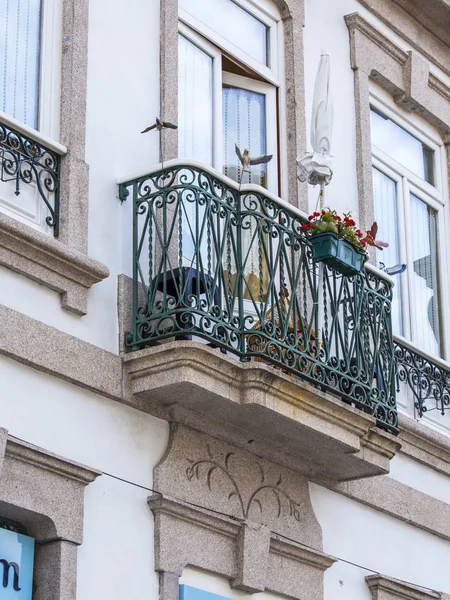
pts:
[19, 59]
[424, 293]
[385, 205]
[233, 23]
[402, 146]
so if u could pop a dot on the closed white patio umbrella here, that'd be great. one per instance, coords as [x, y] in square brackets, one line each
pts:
[315, 167]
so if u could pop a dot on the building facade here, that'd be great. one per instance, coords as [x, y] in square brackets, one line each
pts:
[191, 403]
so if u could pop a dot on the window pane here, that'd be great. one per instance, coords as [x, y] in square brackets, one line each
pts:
[385, 204]
[19, 59]
[402, 146]
[424, 292]
[233, 23]
[244, 124]
[195, 137]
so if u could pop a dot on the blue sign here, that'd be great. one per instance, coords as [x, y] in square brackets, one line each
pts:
[16, 565]
[191, 593]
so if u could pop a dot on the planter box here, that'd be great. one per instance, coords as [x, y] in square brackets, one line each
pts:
[337, 253]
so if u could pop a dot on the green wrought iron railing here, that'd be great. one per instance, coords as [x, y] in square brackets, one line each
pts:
[231, 266]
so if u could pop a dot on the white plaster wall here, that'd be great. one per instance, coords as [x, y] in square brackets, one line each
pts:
[116, 558]
[420, 477]
[366, 537]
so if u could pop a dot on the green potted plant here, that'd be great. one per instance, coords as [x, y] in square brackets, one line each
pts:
[337, 242]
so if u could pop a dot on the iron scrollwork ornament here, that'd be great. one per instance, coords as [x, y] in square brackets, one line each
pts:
[26, 161]
[429, 382]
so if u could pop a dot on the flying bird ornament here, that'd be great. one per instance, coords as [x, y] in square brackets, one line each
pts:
[247, 160]
[159, 125]
[371, 235]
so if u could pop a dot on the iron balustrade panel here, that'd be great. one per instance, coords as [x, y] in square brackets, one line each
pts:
[25, 161]
[233, 267]
[428, 381]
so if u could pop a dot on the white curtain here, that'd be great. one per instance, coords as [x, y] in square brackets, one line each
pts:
[424, 292]
[19, 59]
[244, 124]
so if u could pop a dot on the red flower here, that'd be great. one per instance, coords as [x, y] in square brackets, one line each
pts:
[311, 217]
[306, 227]
[317, 214]
[363, 242]
[324, 212]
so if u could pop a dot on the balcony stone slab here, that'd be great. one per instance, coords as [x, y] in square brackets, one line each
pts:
[256, 406]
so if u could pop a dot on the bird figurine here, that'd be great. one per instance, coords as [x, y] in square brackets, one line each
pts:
[159, 124]
[247, 160]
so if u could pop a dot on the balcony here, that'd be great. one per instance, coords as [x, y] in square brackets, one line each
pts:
[229, 267]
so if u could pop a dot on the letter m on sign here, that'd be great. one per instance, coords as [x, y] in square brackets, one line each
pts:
[16, 565]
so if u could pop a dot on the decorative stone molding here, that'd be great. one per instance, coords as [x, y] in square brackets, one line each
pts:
[52, 351]
[429, 33]
[292, 16]
[406, 76]
[386, 588]
[400, 501]
[275, 415]
[49, 262]
[424, 445]
[222, 509]
[45, 493]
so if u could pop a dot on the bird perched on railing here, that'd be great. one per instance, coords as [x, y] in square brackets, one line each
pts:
[159, 124]
[247, 160]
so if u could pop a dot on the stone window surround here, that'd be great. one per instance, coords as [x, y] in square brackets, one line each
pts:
[407, 77]
[62, 264]
[292, 15]
[45, 493]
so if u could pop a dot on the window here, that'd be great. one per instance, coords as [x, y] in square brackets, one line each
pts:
[30, 48]
[228, 90]
[409, 206]
[228, 85]
[30, 65]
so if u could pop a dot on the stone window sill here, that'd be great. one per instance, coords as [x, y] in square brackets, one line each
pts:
[49, 262]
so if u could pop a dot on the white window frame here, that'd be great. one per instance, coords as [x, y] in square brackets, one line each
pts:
[50, 69]
[266, 16]
[269, 91]
[437, 197]
[213, 44]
